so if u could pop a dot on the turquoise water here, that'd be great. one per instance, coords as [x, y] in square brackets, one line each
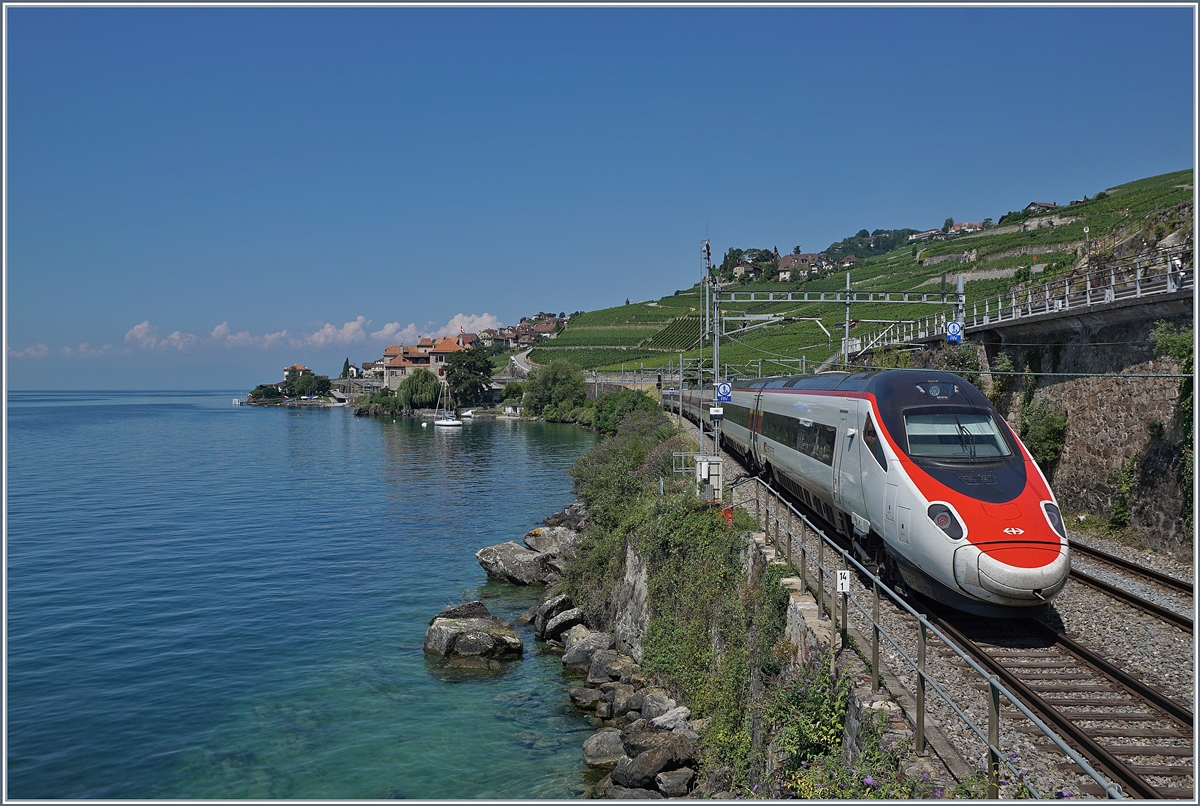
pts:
[209, 601]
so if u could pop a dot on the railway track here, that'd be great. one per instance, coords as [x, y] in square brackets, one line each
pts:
[1131, 732]
[1171, 584]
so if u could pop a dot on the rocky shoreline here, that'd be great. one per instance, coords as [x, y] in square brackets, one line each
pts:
[645, 742]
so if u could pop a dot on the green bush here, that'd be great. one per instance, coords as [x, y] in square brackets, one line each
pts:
[1044, 433]
[961, 359]
[266, 391]
[611, 409]
[553, 391]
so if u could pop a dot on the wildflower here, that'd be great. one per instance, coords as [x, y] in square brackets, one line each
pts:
[924, 776]
[869, 781]
[937, 793]
[755, 788]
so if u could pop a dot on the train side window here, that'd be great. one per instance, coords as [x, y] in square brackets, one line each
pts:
[826, 438]
[871, 439]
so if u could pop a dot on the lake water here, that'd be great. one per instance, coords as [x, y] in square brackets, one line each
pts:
[209, 601]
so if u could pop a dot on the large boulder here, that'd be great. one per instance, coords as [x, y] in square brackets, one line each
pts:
[608, 664]
[675, 783]
[473, 609]
[552, 540]
[655, 703]
[585, 697]
[580, 652]
[574, 634]
[603, 748]
[468, 635]
[573, 517]
[563, 622]
[512, 562]
[672, 719]
[628, 793]
[548, 610]
[671, 754]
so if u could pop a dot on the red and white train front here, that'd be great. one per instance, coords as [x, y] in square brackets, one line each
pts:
[919, 469]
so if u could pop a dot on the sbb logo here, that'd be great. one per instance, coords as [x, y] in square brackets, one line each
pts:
[1012, 530]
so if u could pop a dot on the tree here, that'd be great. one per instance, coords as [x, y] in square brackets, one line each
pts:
[947, 225]
[419, 390]
[312, 385]
[558, 386]
[796, 250]
[345, 369]
[987, 222]
[468, 374]
[513, 391]
[862, 233]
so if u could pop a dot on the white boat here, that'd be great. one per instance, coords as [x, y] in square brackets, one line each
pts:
[468, 414]
[446, 418]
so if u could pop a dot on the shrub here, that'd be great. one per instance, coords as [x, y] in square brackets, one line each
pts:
[558, 387]
[1044, 433]
[960, 359]
[611, 409]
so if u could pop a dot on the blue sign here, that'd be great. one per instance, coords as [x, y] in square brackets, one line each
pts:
[724, 393]
[953, 332]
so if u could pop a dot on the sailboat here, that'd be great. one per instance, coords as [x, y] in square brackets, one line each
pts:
[445, 417]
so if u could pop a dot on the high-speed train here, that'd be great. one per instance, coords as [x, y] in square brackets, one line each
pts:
[917, 470]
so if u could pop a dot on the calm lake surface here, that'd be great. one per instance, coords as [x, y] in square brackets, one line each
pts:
[209, 601]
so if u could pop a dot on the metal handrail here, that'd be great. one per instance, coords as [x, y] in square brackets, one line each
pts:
[1142, 277]
[996, 689]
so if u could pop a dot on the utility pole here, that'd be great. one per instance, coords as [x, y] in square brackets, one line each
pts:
[716, 361]
[846, 345]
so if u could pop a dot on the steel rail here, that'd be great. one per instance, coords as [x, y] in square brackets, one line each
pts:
[1153, 609]
[1099, 755]
[1157, 576]
[1178, 712]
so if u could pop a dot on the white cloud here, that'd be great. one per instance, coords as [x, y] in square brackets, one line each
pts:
[85, 351]
[469, 323]
[224, 336]
[143, 335]
[38, 350]
[392, 333]
[328, 336]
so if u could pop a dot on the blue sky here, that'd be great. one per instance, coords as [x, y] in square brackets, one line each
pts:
[197, 197]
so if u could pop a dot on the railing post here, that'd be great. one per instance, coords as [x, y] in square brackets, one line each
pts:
[875, 638]
[821, 579]
[845, 597]
[757, 504]
[993, 755]
[1067, 294]
[803, 555]
[920, 739]
[1137, 283]
[789, 539]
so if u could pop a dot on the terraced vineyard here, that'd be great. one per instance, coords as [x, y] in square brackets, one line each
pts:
[611, 336]
[598, 357]
[681, 334]
[992, 261]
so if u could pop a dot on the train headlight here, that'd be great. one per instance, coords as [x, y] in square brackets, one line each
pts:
[1055, 518]
[944, 519]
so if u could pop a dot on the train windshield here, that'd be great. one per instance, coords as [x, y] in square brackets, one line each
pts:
[955, 435]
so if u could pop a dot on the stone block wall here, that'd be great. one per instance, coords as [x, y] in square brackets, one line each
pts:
[1109, 424]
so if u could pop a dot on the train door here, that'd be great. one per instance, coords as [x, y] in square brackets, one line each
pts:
[755, 427]
[847, 471]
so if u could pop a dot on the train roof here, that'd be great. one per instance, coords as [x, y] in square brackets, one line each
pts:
[849, 381]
